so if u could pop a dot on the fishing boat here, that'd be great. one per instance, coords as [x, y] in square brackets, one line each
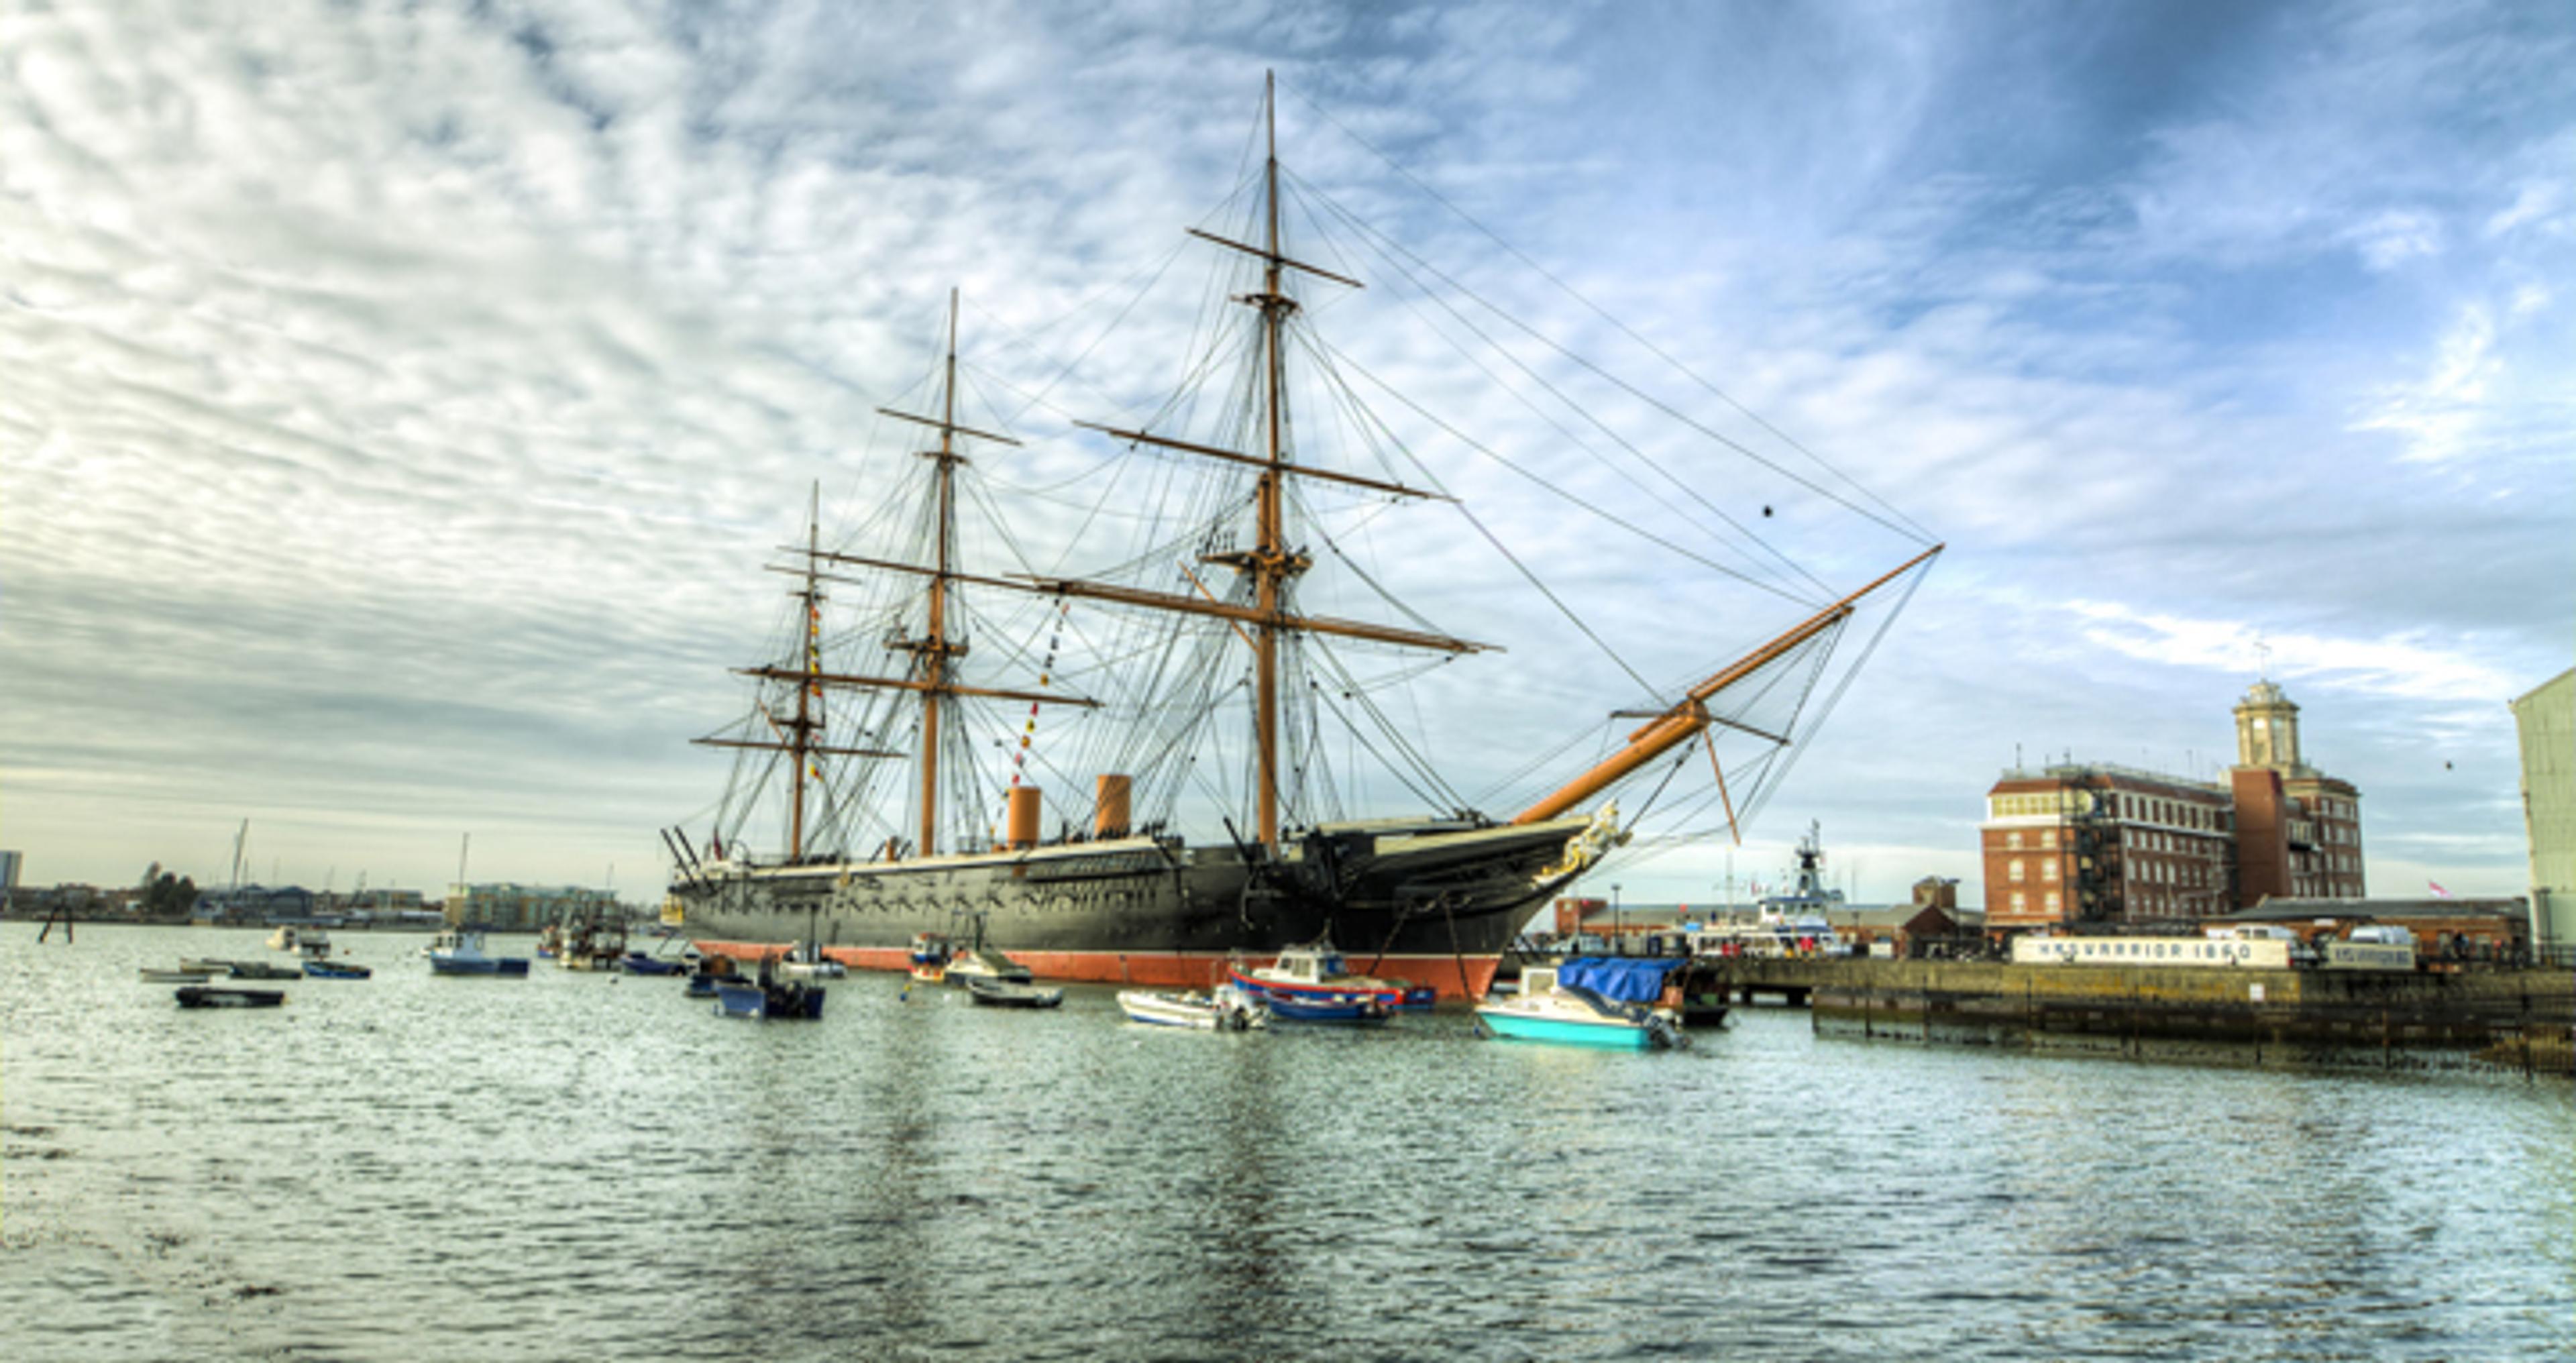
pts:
[459, 951]
[796, 967]
[337, 970]
[1224, 1009]
[709, 972]
[1312, 977]
[592, 942]
[928, 958]
[1547, 1009]
[1214, 692]
[806, 961]
[153, 975]
[994, 993]
[222, 996]
[262, 970]
[766, 998]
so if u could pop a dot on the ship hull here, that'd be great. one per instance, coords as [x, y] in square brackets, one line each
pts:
[1432, 904]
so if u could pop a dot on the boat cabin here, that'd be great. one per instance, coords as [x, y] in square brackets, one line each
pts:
[1316, 964]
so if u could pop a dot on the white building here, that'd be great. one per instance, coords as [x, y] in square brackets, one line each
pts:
[2546, 720]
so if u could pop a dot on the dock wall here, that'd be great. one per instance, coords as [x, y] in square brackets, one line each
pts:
[2507, 1019]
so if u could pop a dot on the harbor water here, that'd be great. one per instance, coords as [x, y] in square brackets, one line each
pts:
[593, 1166]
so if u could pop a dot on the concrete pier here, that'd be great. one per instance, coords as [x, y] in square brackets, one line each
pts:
[2500, 1019]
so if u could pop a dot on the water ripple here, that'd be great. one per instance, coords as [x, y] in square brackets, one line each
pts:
[573, 1166]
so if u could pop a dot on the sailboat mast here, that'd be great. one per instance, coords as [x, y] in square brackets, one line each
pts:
[801, 732]
[1271, 554]
[934, 648]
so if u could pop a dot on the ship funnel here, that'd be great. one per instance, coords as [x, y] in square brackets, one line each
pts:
[1111, 822]
[1024, 816]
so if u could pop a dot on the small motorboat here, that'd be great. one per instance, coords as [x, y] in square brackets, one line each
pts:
[459, 951]
[223, 996]
[984, 963]
[769, 1000]
[261, 970]
[337, 970]
[1312, 1006]
[809, 963]
[1312, 984]
[210, 967]
[1011, 994]
[709, 972]
[645, 963]
[1573, 1015]
[930, 953]
[181, 976]
[1226, 1009]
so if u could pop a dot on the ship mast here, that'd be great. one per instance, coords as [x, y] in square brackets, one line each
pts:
[1271, 567]
[933, 675]
[933, 654]
[801, 730]
[800, 733]
[1270, 563]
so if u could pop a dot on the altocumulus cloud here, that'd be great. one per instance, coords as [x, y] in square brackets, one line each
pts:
[400, 399]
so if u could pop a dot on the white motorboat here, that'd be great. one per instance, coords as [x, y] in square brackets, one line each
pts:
[1227, 1009]
[803, 963]
[984, 963]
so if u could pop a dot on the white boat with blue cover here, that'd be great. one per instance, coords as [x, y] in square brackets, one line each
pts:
[1550, 1008]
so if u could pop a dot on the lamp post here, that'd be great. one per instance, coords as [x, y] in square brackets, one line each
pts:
[1618, 927]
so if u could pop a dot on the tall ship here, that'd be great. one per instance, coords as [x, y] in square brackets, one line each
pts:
[1133, 774]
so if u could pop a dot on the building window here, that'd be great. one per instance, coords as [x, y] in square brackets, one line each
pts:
[2048, 869]
[2052, 901]
[2016, 868]
[2048, 837]
[2017, 902]
[2012, 840]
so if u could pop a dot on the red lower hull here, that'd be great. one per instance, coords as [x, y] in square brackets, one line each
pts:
[1455, 977]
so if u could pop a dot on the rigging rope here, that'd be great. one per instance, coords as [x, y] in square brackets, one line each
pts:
[1910, 527]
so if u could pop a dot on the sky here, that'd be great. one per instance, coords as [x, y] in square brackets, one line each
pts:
[398, 403]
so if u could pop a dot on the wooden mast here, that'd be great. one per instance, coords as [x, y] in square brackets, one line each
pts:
[1271, 570]
[933, 663]
[801, 731]
[1688, 717]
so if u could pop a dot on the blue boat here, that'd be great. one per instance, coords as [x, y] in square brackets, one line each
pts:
[1313, 1007]
[1312, 984]
[337, 970]
[769, 1000]
[642, 963]
[459, 951]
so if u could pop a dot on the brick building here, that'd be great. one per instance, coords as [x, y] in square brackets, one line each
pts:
[2098, 843]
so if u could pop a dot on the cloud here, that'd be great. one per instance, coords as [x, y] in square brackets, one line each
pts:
[2404, 667]
[402, 402]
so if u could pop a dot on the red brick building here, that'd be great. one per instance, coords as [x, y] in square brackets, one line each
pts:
[2096, 843]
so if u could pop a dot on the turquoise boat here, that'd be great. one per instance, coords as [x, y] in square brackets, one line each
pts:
[1572, 1015]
